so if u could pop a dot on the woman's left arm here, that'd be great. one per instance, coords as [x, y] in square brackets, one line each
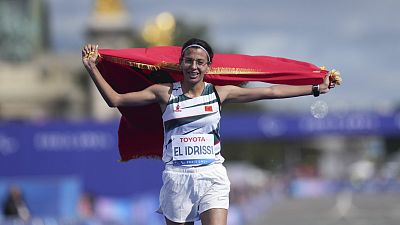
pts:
[235, 94]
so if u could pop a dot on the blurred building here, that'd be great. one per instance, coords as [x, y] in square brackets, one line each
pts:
[109, 27]
[34, 83]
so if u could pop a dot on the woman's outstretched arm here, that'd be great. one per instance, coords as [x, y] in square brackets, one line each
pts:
[230, 93]
[154, 94]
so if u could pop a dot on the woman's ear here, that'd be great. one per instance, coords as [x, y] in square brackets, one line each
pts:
[208, 67]
[180, 63]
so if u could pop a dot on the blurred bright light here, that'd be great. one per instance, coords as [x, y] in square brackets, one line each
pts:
[165, 21]
[160, 31]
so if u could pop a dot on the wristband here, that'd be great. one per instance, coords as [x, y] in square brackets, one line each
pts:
[315, 90]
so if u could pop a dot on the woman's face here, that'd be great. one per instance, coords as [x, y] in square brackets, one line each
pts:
[194, 64]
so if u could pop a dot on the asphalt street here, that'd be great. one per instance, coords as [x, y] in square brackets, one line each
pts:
[344, 209]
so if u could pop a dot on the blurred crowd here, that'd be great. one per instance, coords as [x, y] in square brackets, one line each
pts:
[253, 192]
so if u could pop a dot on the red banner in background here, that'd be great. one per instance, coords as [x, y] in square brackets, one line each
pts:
[126, 70]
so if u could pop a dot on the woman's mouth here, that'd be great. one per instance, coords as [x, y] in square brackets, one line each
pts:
[193, 75]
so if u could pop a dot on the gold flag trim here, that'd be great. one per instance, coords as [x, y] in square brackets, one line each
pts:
[176, 67]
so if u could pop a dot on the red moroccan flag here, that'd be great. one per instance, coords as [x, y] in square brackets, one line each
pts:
[141, 130]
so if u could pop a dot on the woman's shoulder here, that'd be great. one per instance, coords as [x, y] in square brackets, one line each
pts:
[162, 86]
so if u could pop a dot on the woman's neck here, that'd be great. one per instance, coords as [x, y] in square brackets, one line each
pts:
[193, 90]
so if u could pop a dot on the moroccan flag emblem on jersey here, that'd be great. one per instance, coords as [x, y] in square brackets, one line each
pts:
[208, 108]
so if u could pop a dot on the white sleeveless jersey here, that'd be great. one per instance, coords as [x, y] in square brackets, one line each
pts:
[191, 117]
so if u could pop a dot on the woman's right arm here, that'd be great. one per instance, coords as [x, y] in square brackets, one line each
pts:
[153, 94]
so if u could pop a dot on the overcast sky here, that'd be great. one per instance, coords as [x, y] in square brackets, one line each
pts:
[361, 38]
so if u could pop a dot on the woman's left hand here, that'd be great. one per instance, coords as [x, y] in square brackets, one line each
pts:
[330, 81]
[326, 85]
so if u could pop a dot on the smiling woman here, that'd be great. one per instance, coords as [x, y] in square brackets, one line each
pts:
[196, 186]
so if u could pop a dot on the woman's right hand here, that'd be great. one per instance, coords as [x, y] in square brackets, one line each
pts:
[90, 54]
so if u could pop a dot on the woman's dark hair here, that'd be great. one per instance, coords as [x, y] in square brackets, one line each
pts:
[202, 43]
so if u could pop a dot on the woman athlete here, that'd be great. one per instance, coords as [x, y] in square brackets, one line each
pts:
[195, 182]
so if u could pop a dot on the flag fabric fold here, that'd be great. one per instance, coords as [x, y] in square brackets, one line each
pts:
[140, 132]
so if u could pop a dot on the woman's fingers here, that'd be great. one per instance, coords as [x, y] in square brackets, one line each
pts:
[89, 51]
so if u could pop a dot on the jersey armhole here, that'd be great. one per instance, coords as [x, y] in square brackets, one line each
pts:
[216, 95]
[171, 89]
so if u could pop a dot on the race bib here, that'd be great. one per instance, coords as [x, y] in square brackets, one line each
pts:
[193, 149]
